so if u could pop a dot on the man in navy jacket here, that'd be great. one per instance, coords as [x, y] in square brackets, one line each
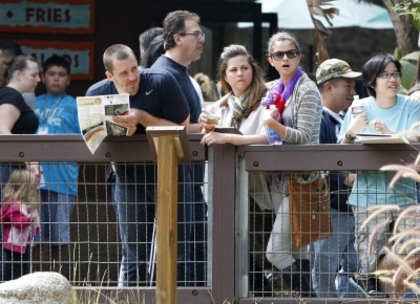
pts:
[336, 82]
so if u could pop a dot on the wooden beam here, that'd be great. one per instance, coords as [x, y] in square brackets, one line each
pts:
[167, 215]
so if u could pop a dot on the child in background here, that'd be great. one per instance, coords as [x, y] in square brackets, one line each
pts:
[208, 88]
[57, 114]
[20, 220]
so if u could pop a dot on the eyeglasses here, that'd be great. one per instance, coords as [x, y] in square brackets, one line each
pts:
[197, 35]
[386, 75]
[279, 55]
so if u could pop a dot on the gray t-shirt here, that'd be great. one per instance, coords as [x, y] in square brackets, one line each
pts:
[29, 98]
[286, 117]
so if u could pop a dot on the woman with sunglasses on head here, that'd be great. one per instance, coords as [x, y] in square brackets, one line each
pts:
[296, 117]
[384, 112]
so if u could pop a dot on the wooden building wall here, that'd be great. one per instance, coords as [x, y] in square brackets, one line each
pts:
[115, 22]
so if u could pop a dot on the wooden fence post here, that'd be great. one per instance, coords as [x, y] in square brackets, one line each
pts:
[169, 146]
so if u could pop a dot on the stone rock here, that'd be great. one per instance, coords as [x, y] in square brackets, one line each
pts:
[38, 287]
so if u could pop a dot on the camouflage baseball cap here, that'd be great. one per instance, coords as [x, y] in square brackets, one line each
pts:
[334, 68]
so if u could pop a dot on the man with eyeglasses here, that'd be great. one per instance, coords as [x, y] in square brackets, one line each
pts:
[336, 83]
[183, 44]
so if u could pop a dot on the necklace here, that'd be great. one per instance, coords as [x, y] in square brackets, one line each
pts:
[46, 113]
[386, 107]
[282, 93]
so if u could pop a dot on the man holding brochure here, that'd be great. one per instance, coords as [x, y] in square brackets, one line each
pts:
[155, 100]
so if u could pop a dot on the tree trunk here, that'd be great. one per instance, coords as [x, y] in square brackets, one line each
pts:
[402, 27]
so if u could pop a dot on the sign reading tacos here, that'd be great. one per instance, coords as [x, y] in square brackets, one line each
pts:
[79, 54]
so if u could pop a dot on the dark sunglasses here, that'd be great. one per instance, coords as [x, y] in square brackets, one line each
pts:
[279, 55]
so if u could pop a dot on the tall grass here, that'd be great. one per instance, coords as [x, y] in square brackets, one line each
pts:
[404, 245]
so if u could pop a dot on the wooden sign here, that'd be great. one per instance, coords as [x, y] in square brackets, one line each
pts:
[48, 16]
[79, 54]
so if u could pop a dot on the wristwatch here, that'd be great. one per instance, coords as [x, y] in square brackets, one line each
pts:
[349, 137]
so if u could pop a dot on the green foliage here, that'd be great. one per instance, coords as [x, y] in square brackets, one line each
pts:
[408, 9]
[397, 53]
[409, 70]
[416, 24]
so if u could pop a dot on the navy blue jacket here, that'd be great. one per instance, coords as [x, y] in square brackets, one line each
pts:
[339, 191]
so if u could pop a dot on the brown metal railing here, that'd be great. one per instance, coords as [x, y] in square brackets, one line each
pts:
[222, 191]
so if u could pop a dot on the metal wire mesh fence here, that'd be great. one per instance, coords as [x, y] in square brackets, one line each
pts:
[370, 251]
[239, 245]
[103, 231]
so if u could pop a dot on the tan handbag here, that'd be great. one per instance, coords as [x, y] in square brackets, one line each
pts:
[309, 211]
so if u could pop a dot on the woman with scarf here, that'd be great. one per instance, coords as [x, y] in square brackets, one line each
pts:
[293, 111]
[243, 79]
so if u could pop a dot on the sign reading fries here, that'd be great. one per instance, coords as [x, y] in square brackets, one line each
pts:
[48, 16]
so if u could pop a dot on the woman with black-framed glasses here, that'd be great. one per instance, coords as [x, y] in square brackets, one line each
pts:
[293, 115]
[384, 112]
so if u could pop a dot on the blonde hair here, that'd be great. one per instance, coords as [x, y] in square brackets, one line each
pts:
[207, 87]
[22, 187]
[220, 90]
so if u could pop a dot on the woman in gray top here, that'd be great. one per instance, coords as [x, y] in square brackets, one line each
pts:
[296, 117]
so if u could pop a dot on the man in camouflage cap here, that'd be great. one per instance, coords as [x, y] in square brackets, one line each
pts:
[334, 68]
[336, 82]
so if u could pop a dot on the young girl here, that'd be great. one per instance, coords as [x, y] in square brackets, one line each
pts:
[20, 220]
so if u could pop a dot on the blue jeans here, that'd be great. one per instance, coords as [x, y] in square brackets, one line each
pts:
[328, 255]
[198, 245]
[110, 180]
[198, 238]
[410, 294]
[56, 210]
[136, 214]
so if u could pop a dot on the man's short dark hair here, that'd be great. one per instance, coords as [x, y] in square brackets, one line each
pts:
[153, 52]
[56, 60]
[117, 51]
[174, 23]
[147, 36]
[9, 48]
